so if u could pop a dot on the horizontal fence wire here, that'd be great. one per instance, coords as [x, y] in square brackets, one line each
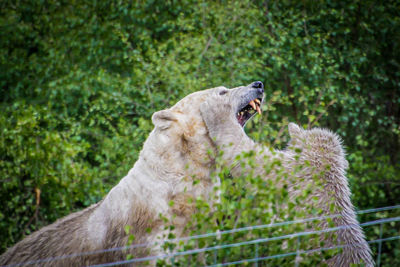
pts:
[295, 253]
[238, 244]
[255, 241]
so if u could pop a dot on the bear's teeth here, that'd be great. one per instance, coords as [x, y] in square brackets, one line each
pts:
[252, 104]
[258, 110]
[257, 101]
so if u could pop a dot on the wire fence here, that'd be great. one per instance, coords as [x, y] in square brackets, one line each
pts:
[256, 243]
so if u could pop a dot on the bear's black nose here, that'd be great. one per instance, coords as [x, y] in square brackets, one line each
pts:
[258, 85]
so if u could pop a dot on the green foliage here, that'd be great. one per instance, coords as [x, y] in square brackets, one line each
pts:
[251, 200]
[79, 81]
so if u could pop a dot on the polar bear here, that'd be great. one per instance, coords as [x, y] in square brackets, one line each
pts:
[310, 154]
[174, 166]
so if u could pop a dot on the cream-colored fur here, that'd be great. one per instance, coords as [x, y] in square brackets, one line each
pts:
[313, 157]
[174, 166]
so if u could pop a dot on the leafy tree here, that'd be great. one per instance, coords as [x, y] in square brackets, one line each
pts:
[80, 80]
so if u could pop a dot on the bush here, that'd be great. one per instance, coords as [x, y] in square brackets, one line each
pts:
[80, 80]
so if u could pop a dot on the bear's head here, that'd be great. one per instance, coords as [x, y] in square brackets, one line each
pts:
[180, 137]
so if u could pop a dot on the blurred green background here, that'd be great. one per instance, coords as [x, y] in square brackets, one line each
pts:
[80, 80]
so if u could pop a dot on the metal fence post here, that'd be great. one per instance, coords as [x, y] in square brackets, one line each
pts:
[378, 262]
[256, 255]
[297, 259]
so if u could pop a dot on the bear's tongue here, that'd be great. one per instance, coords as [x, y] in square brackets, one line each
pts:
[241, 119]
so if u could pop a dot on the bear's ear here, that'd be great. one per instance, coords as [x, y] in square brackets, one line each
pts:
[294, 130]
[163, 119]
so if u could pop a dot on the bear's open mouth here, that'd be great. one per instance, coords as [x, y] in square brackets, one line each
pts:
[248, 111]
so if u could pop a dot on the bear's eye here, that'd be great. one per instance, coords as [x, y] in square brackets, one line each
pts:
[223, 92]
